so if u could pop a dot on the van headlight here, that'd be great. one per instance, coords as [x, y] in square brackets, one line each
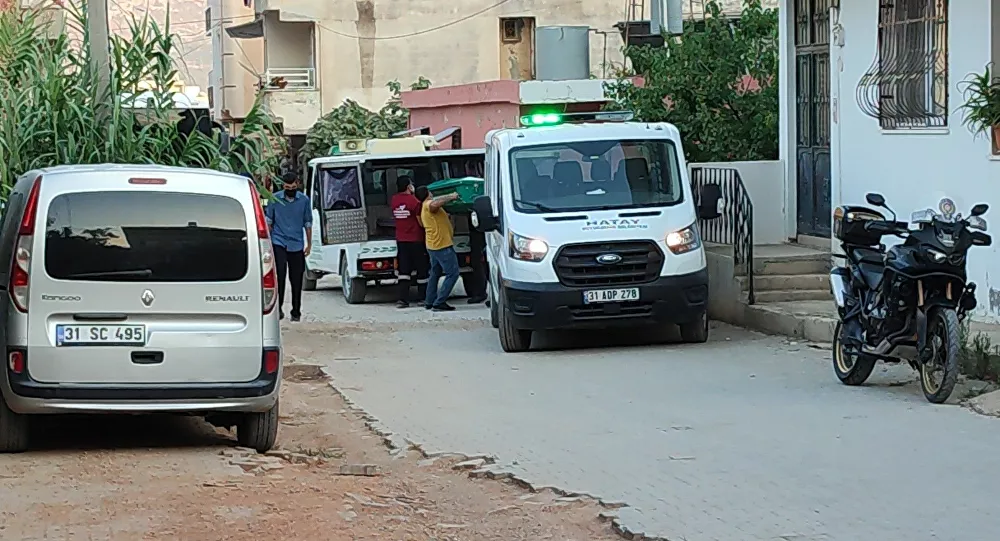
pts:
[526, 248]
[684, 241]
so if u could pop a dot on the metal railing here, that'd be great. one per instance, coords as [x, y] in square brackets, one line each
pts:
[290, 79]
[735, 226]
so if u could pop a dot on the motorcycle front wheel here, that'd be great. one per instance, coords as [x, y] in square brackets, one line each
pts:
[851, 369]
[939, 373]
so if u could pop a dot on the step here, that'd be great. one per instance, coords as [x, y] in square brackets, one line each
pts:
[811, 320]
[799, 264]
[771, 282]
[788, 295]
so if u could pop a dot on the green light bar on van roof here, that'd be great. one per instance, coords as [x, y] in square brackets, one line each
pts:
[552, 119]
[541, 119]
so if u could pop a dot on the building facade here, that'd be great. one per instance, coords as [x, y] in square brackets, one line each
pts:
[317, 53]
[872, 96]
[237, 64]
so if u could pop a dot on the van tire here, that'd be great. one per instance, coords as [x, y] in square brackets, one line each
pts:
[13, 430]
[309, 281]
[354, 289]
[512, 340]
[258, 431]
[695, 332]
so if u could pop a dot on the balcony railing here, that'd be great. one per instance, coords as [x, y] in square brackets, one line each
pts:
[290, 79]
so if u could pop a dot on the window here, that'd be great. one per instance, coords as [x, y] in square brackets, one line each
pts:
[341, 190]
[593, 175]
[146, 237]
[208, 20]
[907, 85]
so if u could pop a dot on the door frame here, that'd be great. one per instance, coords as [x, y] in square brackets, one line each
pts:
[818, 45]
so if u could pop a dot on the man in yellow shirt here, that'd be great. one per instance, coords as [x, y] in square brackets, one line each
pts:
[438, 235]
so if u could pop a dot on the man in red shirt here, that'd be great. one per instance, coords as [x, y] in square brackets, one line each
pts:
[410, 251]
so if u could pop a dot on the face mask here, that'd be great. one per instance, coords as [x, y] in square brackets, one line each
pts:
[290, 193]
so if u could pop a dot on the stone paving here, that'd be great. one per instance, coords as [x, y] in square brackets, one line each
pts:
[745, 438]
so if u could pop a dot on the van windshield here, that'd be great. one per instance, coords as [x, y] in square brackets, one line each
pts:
[592, 175]
[146, 237]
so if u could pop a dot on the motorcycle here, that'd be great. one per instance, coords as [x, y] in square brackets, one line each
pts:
[904, 303]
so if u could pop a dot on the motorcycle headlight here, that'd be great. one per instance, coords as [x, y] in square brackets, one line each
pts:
[684, 241]
[936, 256]
[526, 248]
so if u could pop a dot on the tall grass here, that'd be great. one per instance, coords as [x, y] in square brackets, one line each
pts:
[53, 110]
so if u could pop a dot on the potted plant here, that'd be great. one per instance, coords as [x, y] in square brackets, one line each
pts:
[982, 105]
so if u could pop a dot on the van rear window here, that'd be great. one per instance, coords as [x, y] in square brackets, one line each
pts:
[146, 237]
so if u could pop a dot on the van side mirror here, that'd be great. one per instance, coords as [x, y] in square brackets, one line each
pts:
[708, 201]
[482, 215]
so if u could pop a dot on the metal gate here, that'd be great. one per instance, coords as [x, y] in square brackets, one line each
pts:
[812, 96]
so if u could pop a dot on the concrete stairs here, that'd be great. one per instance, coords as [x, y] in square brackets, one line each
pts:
[792, 291]
[788, 272]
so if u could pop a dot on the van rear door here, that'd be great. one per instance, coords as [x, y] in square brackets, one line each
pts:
[143, 283]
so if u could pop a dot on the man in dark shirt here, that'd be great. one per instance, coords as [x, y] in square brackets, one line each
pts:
[290, 218]
[411, 254]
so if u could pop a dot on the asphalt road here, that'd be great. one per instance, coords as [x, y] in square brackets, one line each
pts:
[744, 438]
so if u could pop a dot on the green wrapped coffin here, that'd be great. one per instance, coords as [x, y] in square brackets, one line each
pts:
[468, 189]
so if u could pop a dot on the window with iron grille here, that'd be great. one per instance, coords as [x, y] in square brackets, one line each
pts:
[907, 84]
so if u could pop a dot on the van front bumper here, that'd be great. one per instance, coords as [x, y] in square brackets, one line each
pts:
[668, 299]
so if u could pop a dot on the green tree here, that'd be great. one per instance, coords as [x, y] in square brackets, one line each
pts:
[718, 83]
[352, 121]
[52, 111]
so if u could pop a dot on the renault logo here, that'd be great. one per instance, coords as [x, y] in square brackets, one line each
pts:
[147, 297]
[609, 259]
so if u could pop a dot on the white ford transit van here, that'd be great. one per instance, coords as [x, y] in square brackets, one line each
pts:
[138, 289]
[591, 223]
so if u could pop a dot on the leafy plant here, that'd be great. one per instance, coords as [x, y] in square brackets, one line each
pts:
[352, 121]
[718, 83]
[981, 109]
[53, 109]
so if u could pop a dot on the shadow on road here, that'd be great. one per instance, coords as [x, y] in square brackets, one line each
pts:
[61, 432]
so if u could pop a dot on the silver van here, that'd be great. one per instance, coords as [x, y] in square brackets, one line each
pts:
[138, 289]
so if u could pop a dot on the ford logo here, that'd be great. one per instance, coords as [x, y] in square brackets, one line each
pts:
[609, 259]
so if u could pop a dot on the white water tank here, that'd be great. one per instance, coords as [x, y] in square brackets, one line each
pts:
[562, 53]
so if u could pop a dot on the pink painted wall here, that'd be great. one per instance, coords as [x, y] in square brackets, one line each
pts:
[477, 108]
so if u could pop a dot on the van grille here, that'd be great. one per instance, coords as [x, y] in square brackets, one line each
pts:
[577, 265]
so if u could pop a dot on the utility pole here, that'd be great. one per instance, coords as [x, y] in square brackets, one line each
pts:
[100, 46]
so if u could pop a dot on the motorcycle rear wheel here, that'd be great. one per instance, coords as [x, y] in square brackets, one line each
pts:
[850, 370]
[942, 337]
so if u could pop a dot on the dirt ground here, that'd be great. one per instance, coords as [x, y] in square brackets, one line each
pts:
[128, 478]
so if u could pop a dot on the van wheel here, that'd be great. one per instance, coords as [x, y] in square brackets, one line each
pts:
[309, 281]
[512, 340]
[354, 289]
[696, 332]
[13, 430]
[258, 431]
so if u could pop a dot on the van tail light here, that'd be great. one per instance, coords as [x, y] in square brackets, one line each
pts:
[16, 360]
[268, 272]
[21, 266]
[272, 359]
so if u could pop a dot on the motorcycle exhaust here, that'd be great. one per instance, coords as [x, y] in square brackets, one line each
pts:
[838, 287]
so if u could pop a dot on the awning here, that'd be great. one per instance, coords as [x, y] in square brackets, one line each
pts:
[250, 30]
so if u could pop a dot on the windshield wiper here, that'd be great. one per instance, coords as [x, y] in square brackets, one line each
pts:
[136, 273]
[536, 206]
